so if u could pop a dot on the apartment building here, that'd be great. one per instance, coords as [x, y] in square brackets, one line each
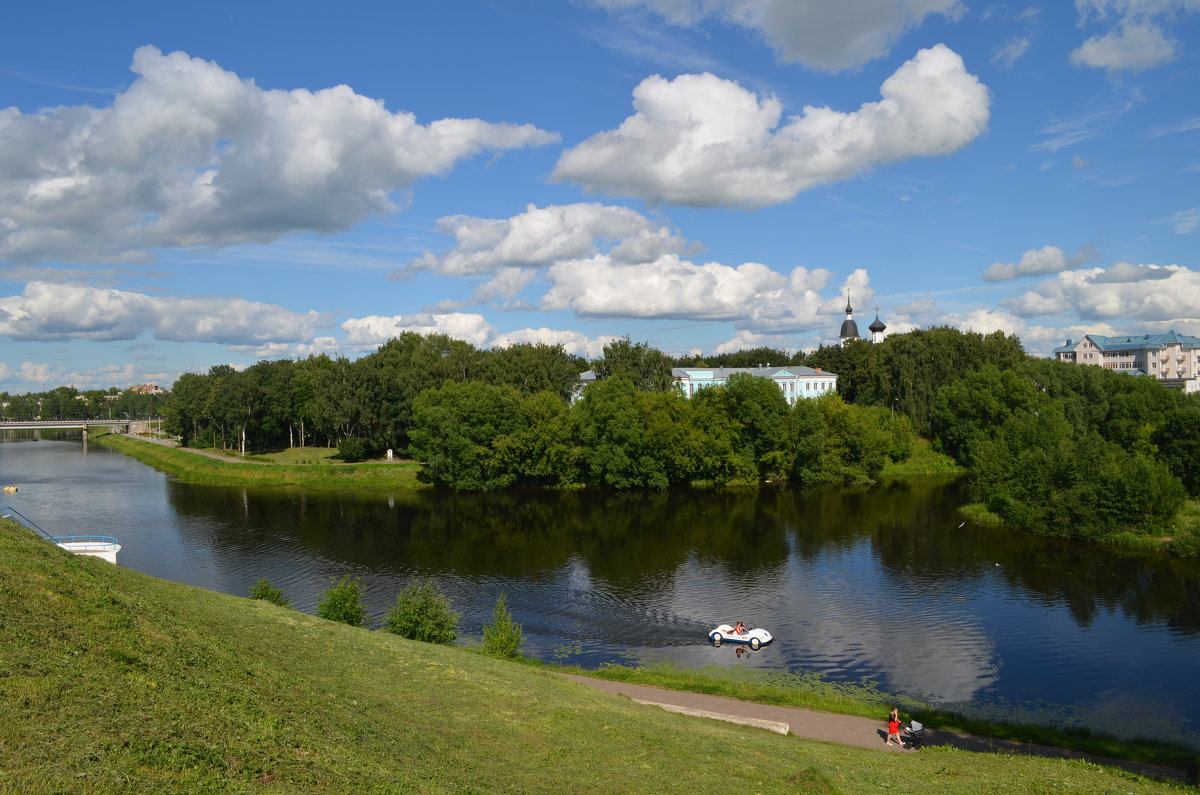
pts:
[1173, 359]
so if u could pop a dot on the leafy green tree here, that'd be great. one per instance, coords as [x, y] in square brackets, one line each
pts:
[23, 407]
[60, 403]
[533, 368]
[721, 455]
[669, 449]
[752, 357]
[977, 405]
[910, 368]
[336, 406]
[807, 429]
[343, 602]
[304, 396]
[856, 441]
[625, 437]
[423, 613]
[184, 413]
[648, 369]
[762, 411]
[400, 370]
[855, 364]
[455, 429]
[1178, 442]
[264, 590]
[503, 636]
[542, 450]
[276, 411]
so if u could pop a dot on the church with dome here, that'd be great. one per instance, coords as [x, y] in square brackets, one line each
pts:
[849, 329]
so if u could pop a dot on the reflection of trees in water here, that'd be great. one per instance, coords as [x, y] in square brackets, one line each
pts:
[928, 549]
[911, 525]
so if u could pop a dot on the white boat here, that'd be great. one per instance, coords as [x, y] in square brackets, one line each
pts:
[754, 638]
[96, 546]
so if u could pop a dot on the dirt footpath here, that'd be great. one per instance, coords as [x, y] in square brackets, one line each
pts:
[845, 729]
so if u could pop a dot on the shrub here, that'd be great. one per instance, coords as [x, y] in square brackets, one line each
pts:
[352, 450]
[343, 602]
[264, 590]
[423, 613]
[502, 637]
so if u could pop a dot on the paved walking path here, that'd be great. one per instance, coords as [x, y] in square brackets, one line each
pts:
[844, 729]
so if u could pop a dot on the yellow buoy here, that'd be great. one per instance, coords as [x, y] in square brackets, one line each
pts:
[10, 489]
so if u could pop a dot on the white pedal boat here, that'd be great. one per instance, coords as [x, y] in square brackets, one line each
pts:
[754, 638]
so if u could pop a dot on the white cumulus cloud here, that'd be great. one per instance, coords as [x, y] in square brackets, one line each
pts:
[1136, 33]
[542, 235]
[1040, 261]
[366, 333]
[573, 342]
[193, 155]
[700, 140]
[751, 296]
[49, 311]
[822, 34]
[1124, 292]
[1132, 46]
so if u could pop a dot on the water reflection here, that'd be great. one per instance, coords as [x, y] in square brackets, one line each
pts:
[877, 584]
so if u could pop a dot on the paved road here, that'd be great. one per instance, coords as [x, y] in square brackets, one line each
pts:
[846, 729]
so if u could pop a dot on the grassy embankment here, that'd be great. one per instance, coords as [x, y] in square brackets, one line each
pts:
[923, 461]
[259, 470]
[112, 680]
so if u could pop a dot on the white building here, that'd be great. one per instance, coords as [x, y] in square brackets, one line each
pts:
[795, 382]
[1172, 359]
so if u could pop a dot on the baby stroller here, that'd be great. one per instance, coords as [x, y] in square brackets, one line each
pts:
[914, 735]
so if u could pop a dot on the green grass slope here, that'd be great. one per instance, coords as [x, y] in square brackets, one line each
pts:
[114, 681]
[196, 468]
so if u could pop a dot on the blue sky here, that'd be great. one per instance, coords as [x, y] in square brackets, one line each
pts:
[183, 185]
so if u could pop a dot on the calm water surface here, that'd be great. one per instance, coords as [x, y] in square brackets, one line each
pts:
[878, 585]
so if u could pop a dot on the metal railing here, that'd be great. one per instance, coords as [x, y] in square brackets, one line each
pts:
[9, 512]
[81, 543]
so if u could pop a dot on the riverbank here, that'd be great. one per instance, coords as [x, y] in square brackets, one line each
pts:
[198, 466]
[118, 680]
[1180, 539]
[315, 469]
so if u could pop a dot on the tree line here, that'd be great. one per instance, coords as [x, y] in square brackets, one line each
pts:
[488, 419]
[69, 403]
[1061, 448]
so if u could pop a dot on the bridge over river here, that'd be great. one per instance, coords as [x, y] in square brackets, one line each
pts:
[114, 426]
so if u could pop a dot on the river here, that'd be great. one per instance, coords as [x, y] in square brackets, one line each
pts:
[879, 586]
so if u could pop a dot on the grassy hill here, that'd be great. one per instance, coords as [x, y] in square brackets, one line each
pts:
[114, 681]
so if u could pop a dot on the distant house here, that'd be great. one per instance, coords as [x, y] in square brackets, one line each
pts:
[795, 382]
[1172, 359]
[147, 389]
